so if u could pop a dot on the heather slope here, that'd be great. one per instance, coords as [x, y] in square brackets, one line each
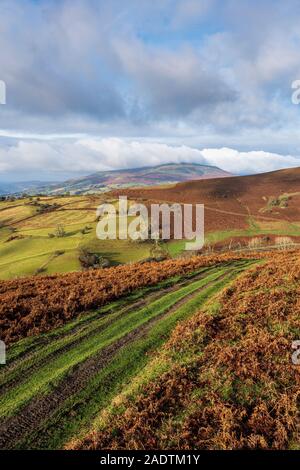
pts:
[55, 384]
[228, 381]
[231, 203]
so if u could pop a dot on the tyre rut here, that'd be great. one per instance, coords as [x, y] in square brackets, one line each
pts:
[123, 311]
[31, 417]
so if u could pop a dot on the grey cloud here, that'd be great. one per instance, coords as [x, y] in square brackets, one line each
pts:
[134, 68]
[50, 63]
[63, 61]
[172, 83]
[191, 12]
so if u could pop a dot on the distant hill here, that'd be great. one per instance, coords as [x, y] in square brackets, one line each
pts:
[238, 201]
[136, 177]
[7, 188]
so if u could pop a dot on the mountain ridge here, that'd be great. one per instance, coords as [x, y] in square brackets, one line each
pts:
[146, 176]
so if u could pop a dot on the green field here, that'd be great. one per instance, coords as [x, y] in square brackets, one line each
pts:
[28, 247]
[56, 384]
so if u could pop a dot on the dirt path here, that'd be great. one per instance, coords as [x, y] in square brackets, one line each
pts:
[256, 216]
[32, 416]
[222, 211]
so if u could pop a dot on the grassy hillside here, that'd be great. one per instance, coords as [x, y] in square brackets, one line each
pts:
[237, 207]
[26, 246]
[225, 378]
[190, 354]
[32, 305]
[68, 375]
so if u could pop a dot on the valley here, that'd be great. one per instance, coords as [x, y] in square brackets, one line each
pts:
[261, 215]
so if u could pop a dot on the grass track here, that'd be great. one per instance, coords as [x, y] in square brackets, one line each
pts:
[28, 354]
[82, 365]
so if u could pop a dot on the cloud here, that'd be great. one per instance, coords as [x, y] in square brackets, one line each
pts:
[248, 162]
[197, 74]
[64, 159]
[57, 70]
[190, 12]
[172, 83]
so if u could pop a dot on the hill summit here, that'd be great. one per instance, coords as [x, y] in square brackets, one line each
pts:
[138, 177]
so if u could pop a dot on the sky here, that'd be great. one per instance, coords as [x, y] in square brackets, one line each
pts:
[93, 85]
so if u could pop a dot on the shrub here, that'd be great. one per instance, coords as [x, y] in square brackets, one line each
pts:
[60, 231]
[92, 260]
